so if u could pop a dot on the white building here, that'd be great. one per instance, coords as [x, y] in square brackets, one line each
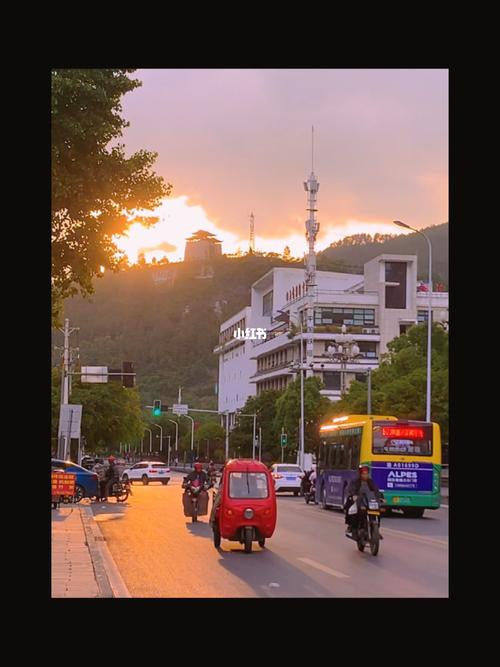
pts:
[376, 307]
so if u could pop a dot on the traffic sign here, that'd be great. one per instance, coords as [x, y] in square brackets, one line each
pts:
[180, 408]
[97, 374]
[70, 419]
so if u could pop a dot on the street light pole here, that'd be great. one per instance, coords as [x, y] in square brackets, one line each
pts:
[161, 436]
[150, 439]
[302, 443]
[176, 433]
[429, 319]
[192, 431]
[369, 403]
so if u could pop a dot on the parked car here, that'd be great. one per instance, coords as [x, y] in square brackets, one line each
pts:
[287, 477]
[147, 471]
[86, 481]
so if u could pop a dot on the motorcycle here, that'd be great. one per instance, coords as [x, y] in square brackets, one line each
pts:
[121, 490]
[310, 493]
[369, 509]
[195, 499]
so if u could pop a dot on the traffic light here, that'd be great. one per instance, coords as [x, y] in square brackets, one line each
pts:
[156, 408]
[128, 380]
[284, 439]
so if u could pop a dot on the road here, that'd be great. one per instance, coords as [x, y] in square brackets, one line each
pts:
[160, 553]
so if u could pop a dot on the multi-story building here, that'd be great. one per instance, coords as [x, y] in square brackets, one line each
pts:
[375, 307]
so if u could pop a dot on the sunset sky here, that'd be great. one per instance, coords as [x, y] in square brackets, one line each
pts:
[233, 141]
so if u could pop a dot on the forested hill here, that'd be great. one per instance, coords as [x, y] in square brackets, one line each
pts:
[355, 250]
[166, 320]
[168, 329]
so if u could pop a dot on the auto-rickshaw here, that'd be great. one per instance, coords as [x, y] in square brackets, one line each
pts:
[247, 509]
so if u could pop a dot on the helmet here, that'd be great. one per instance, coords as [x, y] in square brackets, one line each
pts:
[198, 467]
[111, 459]
[363, 468]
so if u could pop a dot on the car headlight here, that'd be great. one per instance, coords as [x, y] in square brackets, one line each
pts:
[248, 513]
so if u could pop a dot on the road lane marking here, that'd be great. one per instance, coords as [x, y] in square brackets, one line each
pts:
[323, 568]
[414, 536]
[394, 531]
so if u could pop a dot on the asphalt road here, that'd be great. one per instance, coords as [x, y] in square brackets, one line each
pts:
[160, 553]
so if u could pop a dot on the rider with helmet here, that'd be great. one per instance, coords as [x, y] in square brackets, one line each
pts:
[112, 475]
[197, 473]
[358, 484]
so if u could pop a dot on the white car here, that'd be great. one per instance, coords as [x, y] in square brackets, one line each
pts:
[287, 477]
[148, 471]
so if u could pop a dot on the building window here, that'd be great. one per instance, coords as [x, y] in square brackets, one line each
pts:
[395, 295]
[360, 377]
[403, 328]
[363, 317]
[368, 349]
[267, 304]
[331, 380]
[423, 316]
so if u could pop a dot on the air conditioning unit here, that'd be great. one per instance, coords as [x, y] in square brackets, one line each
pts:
[370, 331]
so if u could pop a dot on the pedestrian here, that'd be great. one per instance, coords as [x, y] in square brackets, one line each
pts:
[100, 470]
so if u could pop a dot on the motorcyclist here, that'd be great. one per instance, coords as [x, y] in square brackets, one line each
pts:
[112, 475]
[197, 473]
[305, 483]
[358, 485]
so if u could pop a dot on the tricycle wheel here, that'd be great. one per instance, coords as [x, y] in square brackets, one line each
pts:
[262, 542]
[217, 536]
[248, 541]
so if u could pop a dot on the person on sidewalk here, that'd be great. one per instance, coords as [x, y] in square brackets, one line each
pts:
[100, 470]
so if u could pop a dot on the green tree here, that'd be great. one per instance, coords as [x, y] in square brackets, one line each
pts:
[288, 412]
[264, 406]
[110, 413]
[96, 189]
[211, 431]
[399, 385]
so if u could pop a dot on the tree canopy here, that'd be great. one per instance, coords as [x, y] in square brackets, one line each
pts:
[97, 191]
[399, 384]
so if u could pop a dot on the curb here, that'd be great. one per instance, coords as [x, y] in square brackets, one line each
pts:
[108, 577]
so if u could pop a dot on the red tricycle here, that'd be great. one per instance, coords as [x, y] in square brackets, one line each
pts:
[246, 510]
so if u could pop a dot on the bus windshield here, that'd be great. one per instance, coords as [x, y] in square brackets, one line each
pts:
[406, 440]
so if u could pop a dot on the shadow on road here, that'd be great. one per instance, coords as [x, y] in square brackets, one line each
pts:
[199, 528]
[111, 510]
[269, 574]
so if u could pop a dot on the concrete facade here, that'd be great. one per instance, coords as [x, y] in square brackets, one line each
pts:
[360, 301]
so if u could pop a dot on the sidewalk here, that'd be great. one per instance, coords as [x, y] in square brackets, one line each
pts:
[82, 566]
[72, 570]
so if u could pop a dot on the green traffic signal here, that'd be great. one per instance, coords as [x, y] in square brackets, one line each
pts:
[156, 408]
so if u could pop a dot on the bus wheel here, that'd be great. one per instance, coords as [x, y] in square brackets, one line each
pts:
[414, 512]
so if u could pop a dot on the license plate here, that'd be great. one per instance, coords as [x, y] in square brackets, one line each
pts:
[373, 512]
[290, 479]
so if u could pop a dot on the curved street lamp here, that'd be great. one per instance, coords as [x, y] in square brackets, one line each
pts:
[429, 319]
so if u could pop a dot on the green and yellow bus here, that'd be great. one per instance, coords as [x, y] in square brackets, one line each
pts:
[404, 457]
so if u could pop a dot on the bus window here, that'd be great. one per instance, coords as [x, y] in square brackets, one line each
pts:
[355, 447]
[340, 463]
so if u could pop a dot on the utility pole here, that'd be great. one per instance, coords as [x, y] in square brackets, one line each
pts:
[150, 439]
[227, 436]
[260, 443]
[64, 441]
[176, 434]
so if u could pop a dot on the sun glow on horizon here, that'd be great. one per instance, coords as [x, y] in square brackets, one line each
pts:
[178, 219]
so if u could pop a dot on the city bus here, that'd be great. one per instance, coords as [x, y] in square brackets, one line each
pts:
[404, 458]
